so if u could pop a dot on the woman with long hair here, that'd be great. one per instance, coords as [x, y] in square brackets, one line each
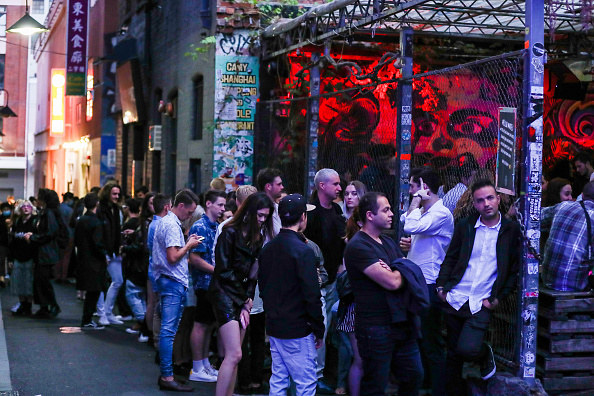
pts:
[234, 280]
[44, 239]
[346, 313]
[558, 190]
[23, 254]
[352, 192]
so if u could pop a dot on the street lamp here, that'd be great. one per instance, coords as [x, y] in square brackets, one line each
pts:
[5, 111]
[27, 25]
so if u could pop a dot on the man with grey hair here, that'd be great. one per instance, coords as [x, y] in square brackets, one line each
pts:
[326, 227]
[569, 251]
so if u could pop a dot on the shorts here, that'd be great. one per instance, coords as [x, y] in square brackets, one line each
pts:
[203, 312]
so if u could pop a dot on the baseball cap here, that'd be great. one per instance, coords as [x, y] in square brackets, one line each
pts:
[293, 205]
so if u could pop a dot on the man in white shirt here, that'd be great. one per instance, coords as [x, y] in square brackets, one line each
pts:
[431, 226]
[480, 269]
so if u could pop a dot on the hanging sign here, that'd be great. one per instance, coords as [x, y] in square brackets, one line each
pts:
[57, 103]
[76, 48]
[506, 151]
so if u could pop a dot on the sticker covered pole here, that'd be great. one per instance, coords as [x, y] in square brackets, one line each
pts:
[404, 126]
[531, 170]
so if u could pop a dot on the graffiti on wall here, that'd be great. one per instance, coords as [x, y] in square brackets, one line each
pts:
[568, 128]
[236, 93]
[454, 118]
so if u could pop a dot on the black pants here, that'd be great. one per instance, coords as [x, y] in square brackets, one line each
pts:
[253, 349]
[89, 306]
[388, 349]
[433, 344]
[466, 335]
[43, 291]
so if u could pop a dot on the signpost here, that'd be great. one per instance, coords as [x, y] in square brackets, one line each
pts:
[506, 151]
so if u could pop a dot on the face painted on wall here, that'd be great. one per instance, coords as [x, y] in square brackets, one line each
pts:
[459, 120]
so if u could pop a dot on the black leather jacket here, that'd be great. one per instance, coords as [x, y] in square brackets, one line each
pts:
[235, 274]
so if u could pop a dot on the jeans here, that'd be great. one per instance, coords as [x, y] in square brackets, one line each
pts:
[466, 335]
[172, 295]
[384, 349]
[293, 359]
[329, 298]
[136, 297]
[114, 267]
[345, 359]
[433, 344]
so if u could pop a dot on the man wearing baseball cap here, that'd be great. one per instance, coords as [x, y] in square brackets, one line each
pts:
[290, 290]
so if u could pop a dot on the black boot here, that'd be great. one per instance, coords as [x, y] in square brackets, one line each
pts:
[55, 310]
[24, 309]
[43, 313]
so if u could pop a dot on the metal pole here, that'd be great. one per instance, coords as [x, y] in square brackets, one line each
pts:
[311, 162]
[531, 170]
[403, 131]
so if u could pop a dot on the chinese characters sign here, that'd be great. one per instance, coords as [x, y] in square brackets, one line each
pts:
[236, 90]
[57, 103]
[76, 47]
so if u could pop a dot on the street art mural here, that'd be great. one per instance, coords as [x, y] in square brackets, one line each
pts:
[236, 93]
[568, 128]
[454, 117]
[455, 120]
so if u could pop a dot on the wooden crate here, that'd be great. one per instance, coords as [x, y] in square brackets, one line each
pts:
[565, 360]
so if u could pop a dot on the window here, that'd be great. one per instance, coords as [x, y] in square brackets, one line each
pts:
[198, 100]
[37, 7]
[2, 21]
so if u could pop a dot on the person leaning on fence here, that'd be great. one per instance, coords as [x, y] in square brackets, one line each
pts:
[480, 269]
[569, 254]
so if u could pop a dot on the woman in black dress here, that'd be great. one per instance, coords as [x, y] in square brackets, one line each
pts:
[234, 281]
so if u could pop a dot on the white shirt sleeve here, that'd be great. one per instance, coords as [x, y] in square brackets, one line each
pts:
[428, 224]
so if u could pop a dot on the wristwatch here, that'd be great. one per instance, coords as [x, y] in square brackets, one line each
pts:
[439, 289]
[416, 195]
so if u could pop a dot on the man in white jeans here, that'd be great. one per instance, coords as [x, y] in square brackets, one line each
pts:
[290, 290]
[109, 213]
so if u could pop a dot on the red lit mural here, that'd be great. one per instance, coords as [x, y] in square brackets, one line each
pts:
[568, 128]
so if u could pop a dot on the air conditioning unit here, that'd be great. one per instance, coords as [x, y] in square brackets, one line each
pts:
[155, 138]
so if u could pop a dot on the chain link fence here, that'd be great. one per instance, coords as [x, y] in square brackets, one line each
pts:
[454, 130]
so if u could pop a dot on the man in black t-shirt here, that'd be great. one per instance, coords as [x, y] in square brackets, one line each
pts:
[382, 342]
[326, 227]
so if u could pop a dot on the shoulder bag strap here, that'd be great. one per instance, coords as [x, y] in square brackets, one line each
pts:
[589, 223]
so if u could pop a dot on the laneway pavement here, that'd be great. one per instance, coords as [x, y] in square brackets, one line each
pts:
[52, 357]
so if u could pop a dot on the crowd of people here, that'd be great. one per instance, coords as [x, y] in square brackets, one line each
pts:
[257, 267]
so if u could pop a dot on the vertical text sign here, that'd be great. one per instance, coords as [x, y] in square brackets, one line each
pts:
[506, 151]
[57, 102]
[76, 47]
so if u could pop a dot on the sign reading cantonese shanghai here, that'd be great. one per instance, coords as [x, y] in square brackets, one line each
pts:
[76, 47]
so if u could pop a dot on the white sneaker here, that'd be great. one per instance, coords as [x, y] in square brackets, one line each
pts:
[104, 321]
[130, 330]
[15, 307]
[124, 318]
[142, 338]
[92, 326]
[113, 320]
[212, 371]
[202, 376]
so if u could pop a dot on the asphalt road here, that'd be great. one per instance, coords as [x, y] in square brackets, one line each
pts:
[51, 357]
